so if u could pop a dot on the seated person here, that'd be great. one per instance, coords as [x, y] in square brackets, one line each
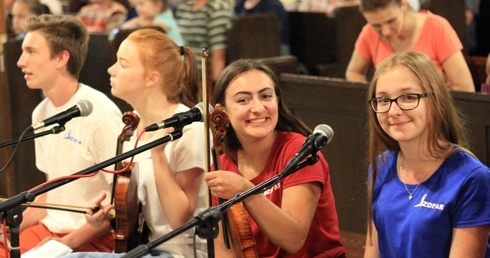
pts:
[102, 16]
[53, 52]
[155, 13]
[23, 9]
[393, 27]
[296, 217]
[428, 196]
[151, 76]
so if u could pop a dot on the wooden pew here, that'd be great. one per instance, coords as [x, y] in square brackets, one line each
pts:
[254, 36]
[283, 64]
[477, 65]
[324, 45]
[343, 106]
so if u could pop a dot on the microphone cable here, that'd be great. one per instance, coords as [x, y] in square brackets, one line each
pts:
[14, 150]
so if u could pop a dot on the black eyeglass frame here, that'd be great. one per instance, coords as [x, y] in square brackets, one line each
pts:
[419, 96]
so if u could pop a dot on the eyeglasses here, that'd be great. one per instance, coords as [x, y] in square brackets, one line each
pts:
[405, 102]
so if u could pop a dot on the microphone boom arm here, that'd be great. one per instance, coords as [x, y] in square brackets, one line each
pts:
[212, 215]
[30, 196]
[11, 210]
[54, 130]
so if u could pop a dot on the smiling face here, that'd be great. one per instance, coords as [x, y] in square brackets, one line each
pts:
[402, 125]
[387, 21]
[252, 106]
[127, 74]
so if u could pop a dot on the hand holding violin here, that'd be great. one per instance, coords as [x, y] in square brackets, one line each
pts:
[225, 184]
[97, 219]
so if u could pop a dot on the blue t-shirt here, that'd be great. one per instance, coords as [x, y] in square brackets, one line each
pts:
[457, 195]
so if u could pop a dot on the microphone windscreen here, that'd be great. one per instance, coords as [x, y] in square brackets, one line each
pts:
[85, 107]
[200, 106]
[326, 130]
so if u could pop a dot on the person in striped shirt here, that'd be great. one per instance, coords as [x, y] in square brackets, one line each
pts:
[205, 24]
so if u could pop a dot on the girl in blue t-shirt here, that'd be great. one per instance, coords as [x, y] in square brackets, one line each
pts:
[428, 195]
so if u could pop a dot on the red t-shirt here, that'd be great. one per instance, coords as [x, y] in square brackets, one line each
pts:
[324, 238]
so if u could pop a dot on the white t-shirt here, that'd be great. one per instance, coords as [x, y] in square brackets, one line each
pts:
[85, 142]
[182, 154]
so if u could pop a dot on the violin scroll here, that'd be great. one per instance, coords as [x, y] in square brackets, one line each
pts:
[221, 122]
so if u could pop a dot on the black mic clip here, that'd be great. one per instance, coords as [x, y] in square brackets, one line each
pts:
[208, 228]
[308, 161]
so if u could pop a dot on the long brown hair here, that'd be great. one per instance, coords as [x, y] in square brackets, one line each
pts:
[176, 64]
[445, 126]
[286, 121]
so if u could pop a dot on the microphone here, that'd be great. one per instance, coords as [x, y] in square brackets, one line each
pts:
[82, 108]
[322, 134]
[181, 119]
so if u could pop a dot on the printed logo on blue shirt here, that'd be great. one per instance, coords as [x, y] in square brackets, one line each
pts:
[72, 138]
[429, 205]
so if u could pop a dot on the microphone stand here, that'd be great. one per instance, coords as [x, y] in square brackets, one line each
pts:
[54, 130]
[206, 222]
[11, 207]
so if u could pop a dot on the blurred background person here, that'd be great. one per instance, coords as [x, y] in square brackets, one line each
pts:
[7, 8]
[155, 13]
[73, 6]
[22, 10]
[471, 13]
[205, 24]
[102, 16]
[392, 27]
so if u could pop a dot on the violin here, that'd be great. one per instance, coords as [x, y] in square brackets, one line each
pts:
[239, 230]
[125, 194]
